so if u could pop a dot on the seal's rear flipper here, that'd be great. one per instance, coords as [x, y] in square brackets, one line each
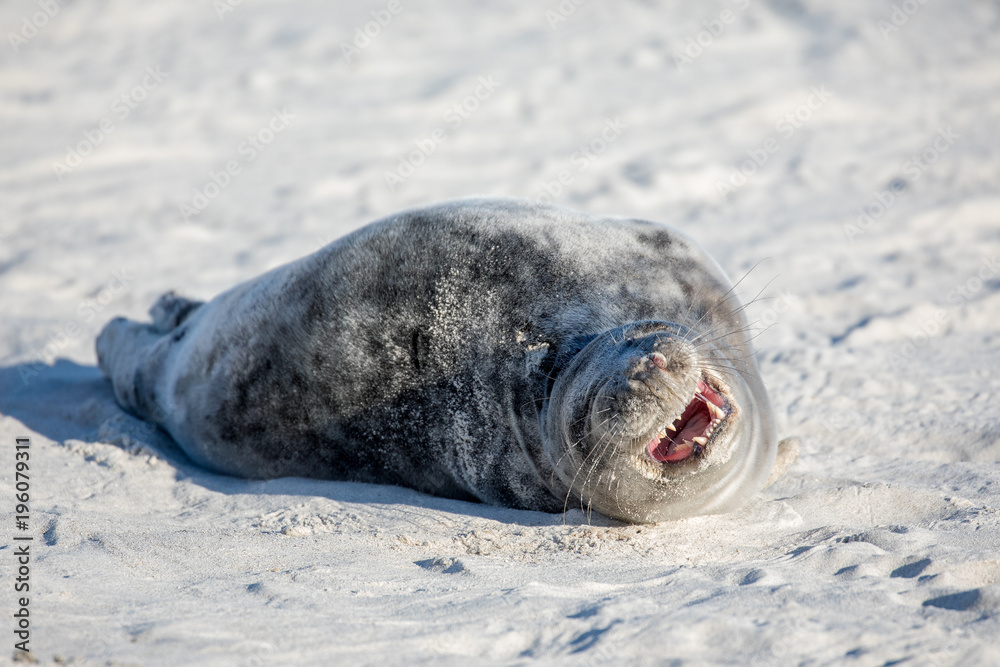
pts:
[124, 350]
[788, 453]
[171, 310]
[122, 347]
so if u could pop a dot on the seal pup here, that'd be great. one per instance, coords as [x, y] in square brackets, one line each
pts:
[500, 350]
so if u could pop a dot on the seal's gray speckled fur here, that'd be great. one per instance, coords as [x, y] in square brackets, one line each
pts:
[479, 349]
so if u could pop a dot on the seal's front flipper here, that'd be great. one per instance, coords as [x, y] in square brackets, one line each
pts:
[170, 310]
[788, 453]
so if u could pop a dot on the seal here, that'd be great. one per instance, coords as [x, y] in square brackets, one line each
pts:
[499, 350]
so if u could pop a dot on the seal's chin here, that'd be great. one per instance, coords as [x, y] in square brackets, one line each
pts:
[689, 433]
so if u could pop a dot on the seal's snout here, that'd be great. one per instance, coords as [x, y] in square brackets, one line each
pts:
[663, 363]
[665, 374]
[656, 362]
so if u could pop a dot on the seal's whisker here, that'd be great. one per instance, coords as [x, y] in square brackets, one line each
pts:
[655, 392]
[692, 326]
[578, 442]
[756, 298]
[700, 340]
[733, 374]
[535, 400]
[569, 450]
[730, 293]
[580, 469]
[759, 333]
[592, 452]
[614, 452]
[704, 343]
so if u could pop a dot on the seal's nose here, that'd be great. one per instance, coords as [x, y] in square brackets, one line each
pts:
[664, 353]
[656, 363]
[641, 367]
[664, 365]
[657, 360]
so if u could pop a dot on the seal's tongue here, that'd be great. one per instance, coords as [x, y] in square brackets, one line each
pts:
[689, 432]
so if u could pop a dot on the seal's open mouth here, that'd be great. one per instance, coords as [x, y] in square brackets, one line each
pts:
[688, 434]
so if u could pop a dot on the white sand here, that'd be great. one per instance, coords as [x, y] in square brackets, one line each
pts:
[881, 546]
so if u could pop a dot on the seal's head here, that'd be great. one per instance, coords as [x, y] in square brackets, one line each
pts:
[652, 421]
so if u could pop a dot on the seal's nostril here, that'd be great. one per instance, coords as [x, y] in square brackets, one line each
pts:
[658, 360]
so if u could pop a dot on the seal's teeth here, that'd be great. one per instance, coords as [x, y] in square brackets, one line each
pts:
[701, 441]
[715, 410]
[671, 427]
